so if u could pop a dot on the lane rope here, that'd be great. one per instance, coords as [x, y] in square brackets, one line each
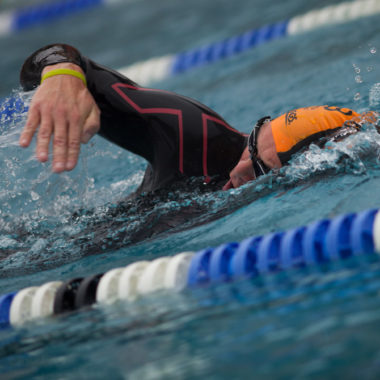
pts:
[323, 241]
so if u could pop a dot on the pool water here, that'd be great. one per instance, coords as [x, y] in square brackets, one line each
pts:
[319, 322]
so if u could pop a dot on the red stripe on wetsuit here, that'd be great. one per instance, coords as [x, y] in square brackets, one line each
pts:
[178, 112]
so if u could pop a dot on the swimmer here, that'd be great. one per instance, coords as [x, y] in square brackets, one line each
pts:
[178, 136]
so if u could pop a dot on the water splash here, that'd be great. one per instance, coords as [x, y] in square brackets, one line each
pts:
[347, 156]
[374, 96]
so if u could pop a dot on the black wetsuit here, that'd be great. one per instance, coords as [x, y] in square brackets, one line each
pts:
[178, 136]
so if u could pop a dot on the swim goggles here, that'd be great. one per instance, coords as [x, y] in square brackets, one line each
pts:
[258, 165]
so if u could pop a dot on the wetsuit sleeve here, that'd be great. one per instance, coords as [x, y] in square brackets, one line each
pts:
[30, 75]
[119, 124]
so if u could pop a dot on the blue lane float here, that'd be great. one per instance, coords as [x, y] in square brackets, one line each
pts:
[50, 12]
[364, 234]
[324, 241]
[292, 249]
[5, 305]
[243, 262]
[25, 18]
[313, 242]
[223, 49]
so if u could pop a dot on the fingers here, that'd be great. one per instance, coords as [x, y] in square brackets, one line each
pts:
[228, 185]
[67, 115]
[235, 182]
[80, 128]
[43, 139]
[30, 127]
[73, 142]
[79, 134]
[241, 174]
[238, 181]
[91, 125]
[60, 145]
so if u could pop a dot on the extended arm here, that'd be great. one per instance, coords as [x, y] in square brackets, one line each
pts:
[177, 135]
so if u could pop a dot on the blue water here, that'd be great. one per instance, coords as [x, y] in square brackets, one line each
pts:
[317, 323]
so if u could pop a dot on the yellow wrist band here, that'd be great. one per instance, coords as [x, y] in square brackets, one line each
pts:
[73, 73]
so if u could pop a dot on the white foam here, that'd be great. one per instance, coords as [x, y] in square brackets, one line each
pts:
[374, 96]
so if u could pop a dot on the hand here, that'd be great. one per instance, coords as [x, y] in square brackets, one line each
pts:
[240, 174]
[66, 113]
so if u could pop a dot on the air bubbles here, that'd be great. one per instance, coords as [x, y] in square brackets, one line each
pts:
[356, 68]
[357, 96]
[369, 69]
[34, 196]
[358, 79]
[372, 50]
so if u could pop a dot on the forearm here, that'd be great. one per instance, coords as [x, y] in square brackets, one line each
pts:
[120, 123]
